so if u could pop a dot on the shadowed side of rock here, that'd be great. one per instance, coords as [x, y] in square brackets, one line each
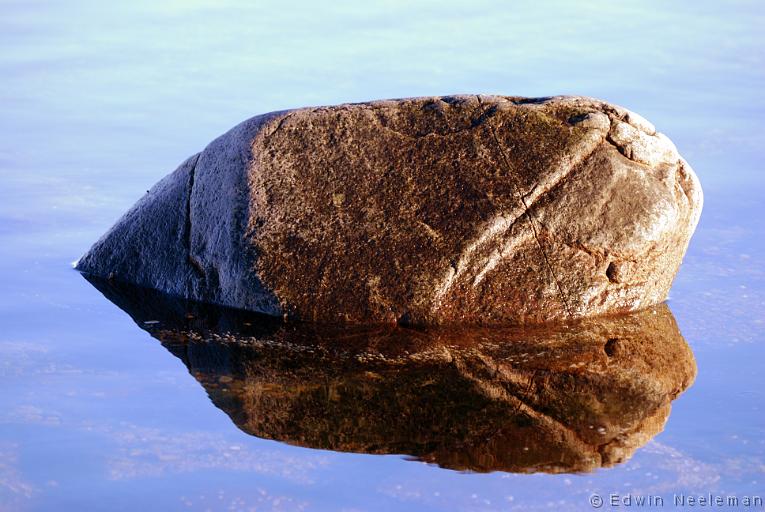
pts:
[186, 236]
[458, 209]
[565, 398]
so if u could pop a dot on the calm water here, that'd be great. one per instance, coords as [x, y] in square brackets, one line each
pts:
[99, 101]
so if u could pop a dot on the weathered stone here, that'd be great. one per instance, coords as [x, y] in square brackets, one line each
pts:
[553, 398]
[472, 209]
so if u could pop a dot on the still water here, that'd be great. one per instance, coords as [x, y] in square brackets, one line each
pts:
[99, 411]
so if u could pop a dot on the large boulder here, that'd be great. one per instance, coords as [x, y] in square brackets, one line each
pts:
[553, 398]
[473, 209]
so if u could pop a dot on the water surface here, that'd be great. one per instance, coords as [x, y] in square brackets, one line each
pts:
[101, 100]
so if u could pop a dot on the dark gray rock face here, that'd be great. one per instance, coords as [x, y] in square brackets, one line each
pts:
[186, 237]
[467, 209]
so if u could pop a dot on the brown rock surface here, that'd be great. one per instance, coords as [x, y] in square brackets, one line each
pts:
[558, 398]
[470, 209]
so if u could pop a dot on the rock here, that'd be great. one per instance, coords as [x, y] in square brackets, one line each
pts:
[460, 209]
[554, 398]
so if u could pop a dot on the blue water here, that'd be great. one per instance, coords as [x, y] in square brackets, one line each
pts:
[99, 100]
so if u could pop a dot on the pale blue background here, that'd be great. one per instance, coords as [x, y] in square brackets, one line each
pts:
[98, 100]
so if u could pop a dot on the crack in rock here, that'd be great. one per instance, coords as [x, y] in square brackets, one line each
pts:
[532, 221]
[195, 264]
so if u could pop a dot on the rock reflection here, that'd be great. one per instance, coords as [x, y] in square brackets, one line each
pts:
[568, 398]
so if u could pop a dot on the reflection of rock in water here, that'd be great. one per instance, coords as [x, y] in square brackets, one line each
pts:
[554, 399]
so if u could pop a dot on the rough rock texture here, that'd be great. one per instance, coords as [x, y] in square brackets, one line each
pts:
[571, 397]
[472, 209]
